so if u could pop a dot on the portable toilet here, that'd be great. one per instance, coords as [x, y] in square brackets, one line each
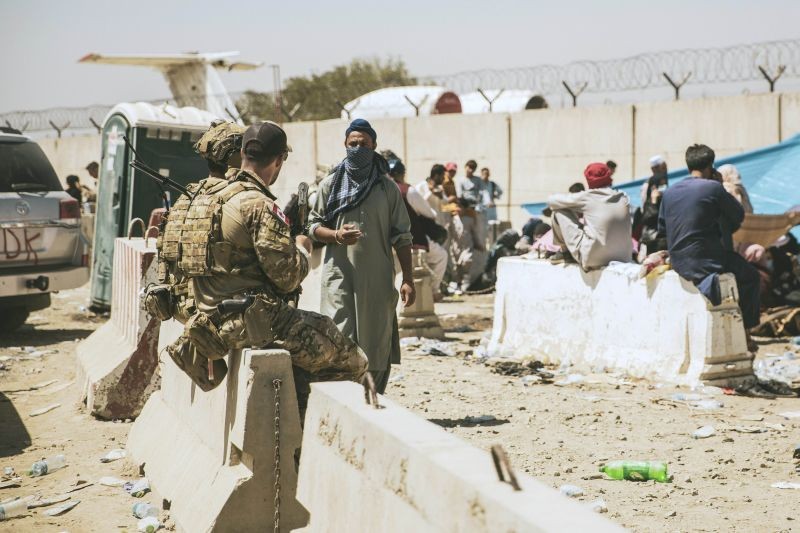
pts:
[163, 136]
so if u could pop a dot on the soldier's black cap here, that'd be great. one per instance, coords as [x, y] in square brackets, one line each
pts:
[264, 139]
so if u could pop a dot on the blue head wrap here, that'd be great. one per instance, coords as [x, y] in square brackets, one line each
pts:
[363, 126]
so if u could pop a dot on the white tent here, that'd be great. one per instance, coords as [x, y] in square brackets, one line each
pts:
[509, 101]
[401, 101]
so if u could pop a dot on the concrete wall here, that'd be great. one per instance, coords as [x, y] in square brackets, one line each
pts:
[70, 155]
[729, 125]
[551, 147]
[532, 153]
[301, 165]
[790, 115]
[442, 138]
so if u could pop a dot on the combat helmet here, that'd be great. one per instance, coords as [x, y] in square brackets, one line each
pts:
[222, 140]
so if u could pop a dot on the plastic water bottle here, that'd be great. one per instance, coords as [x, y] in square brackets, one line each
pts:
[636, 470]
[46, 466]
[149, 524]
[143, 510]
[12, 509]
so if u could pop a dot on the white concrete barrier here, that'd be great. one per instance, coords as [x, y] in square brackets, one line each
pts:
[117, 363]
[364, 469]
[212, 454]
[659, 328]
[420, 319]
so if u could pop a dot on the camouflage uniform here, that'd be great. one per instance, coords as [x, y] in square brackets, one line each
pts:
[262, 258]
[231, 240]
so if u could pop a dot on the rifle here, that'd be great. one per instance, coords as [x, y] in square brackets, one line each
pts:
[297, 213]
[297, 210]
[158, 178]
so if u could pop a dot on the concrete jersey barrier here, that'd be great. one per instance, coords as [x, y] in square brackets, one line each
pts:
[212, 454]
[364, 469]
[117, 363]
[661, 327]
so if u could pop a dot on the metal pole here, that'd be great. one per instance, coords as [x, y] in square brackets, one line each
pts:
[96, 125]
[343, 108]
[59, 130]
[416, 106]
[677, 86]
[277, 96]
[290, 114]
[770, 79]
[575, 94]
[492, 100]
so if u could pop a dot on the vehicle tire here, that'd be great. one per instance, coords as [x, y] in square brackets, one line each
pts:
[13, 318]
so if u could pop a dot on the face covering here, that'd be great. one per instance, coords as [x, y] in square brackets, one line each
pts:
[358, 162]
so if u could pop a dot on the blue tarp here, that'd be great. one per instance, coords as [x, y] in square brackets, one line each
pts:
[771, 176]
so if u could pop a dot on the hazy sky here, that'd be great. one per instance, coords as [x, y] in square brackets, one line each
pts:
[42, 40]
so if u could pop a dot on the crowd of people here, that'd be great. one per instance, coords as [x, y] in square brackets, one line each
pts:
[450, 217]
[368, 215]
[690, 225]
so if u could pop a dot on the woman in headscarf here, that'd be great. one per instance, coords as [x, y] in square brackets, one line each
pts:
[733, 184]
[656, 185]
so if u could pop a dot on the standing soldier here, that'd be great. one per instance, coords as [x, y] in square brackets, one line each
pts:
[231, 241]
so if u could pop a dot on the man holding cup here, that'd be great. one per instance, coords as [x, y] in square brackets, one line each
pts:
[360, 215]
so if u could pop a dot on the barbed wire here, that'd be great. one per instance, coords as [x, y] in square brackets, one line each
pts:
[707, 66]
[703, 66]
[88, 117]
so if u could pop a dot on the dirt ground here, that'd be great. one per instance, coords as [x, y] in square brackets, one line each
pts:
[558, 434]
[53, 334]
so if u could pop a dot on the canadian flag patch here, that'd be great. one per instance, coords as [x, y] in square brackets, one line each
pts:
[280, 214]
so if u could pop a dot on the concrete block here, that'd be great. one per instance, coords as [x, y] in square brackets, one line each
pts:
[212, 454]
[658, 328]
[388, 470]
[117, 364]
[420, 319]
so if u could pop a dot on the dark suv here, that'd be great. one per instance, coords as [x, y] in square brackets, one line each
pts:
[41, 248]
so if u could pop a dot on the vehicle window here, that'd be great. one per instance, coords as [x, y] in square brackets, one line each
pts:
[26, 163]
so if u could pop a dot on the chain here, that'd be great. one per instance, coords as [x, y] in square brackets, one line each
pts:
[276, 384]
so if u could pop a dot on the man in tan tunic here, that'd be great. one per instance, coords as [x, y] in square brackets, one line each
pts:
[360, 215]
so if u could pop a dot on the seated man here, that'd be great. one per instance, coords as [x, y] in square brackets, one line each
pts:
[697, 216]
[592, 227]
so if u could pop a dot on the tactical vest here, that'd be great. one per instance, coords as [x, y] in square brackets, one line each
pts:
[190, 245]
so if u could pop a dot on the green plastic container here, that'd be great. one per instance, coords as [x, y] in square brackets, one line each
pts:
[637, 470]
